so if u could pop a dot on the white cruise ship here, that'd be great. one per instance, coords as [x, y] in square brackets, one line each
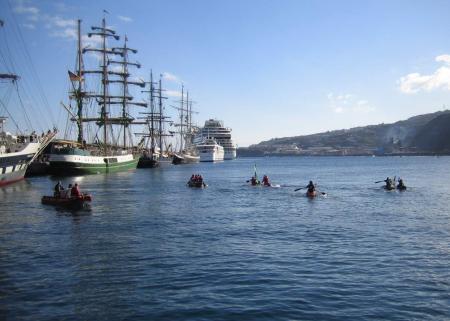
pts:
[210, 151]
[215, 129]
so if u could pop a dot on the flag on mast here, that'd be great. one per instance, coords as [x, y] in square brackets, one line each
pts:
[74, 77]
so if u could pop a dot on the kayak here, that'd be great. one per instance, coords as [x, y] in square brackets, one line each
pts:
[311, 194]
[196, 184]
[67, 202]
[401, 188]
[389, 188]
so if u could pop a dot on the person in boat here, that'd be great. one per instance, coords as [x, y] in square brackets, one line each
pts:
[254, 181]
[66, 193]
[58, 189]
[401, 184]
[75, 191]
[265, 180]
[388, 182]
[311, 187]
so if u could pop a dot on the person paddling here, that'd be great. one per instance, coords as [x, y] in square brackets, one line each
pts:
[401, 185]
[389, 183]
[265, 180]
[311, 187]
[254, 181]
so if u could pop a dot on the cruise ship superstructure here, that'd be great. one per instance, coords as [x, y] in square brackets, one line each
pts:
[222, 135]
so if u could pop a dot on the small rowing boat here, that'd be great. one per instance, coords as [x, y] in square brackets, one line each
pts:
[71, 202]
[198, 184]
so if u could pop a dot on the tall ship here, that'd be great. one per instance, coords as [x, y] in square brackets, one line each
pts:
[153, 144]
[17, 151]
[109, 147]
[222, 135]
[187, 152]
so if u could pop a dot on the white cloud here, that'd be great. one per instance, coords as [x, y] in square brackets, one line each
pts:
[23, 8]
[58, 26]
[171, 77]
[67, 33]
[63, 23]
[343, 103]
[172, 93]
[439, 79]
[125, 19]
[29, 26]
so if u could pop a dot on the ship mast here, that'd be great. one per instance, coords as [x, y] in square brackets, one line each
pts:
[181, 118]
[154, 117]
[105, 100]
[78, 91]
[160, 128]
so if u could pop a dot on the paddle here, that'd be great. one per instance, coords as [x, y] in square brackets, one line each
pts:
[379, 182]
[297, 189]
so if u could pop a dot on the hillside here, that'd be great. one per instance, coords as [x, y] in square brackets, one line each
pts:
[428, 133]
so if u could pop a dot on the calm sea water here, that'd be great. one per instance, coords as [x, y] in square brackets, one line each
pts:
[151, 248]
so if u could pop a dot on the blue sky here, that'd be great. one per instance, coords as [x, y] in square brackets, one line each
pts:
[266, 68]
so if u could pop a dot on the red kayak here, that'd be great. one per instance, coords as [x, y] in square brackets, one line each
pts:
[311, 194]
[67, 202]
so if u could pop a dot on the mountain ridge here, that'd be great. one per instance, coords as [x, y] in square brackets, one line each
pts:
[427, 133]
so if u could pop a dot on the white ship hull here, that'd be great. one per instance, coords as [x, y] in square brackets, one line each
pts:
[211, 157]
[210, 151]
[229, 154]
[14, 165]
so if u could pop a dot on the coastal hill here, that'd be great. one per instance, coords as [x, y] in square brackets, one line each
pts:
[423, 134]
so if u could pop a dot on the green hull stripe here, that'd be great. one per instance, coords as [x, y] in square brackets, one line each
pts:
[63, 167]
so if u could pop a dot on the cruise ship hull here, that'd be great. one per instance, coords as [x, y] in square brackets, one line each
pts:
[229, 154]
[215, 155]
[85, 165]
[14, 165]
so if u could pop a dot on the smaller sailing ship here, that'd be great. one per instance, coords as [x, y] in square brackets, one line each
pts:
[153, 154]
[187, 152]
[105, 153]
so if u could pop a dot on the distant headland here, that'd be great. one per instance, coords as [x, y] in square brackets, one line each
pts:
[427, 134]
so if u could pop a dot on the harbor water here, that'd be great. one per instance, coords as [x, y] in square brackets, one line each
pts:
[150, 248]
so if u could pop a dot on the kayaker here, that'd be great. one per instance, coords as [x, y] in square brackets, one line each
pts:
[265, 180]
[401, 184]
[58, 189]
[75, 191]
[254, 181]
[388, 182]
[311, 187]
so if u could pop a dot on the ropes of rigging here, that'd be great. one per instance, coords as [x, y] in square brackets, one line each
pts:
[32, 68]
